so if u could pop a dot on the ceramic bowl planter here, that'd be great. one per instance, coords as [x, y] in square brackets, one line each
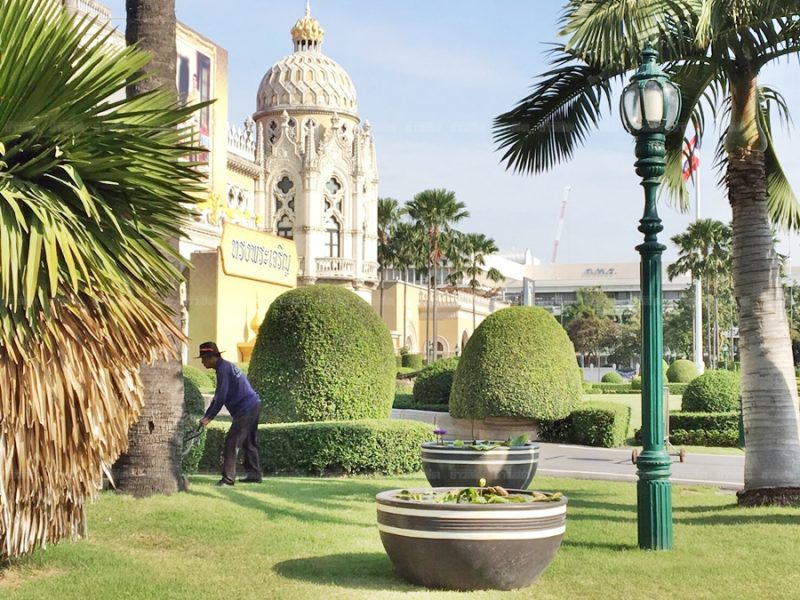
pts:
[466, 546]
[466, 463]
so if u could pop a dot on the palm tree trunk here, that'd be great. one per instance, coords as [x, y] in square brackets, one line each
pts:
[380, 283]
[435, 349]
[405, 301]
[152, 464]
[473, 309]
[769, 389]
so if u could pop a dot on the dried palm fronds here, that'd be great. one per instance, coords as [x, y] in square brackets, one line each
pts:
[90, 189]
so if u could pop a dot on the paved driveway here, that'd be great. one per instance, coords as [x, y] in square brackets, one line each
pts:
[725, 471]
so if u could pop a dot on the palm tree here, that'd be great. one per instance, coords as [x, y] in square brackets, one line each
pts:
[436, 211]
[714, 49]
[407, 245]
[389, 214]
[470, 261]
[89, 190]
[152, 463]
[704, 251]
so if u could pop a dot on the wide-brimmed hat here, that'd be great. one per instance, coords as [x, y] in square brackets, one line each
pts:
[208, 349]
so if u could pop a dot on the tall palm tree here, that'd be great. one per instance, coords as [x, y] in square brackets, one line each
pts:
[704, 252]
[89, 190]
[407, 245]
[436, 211]
[389, 215]
[471, 261]
[152, 463]
[714, 49]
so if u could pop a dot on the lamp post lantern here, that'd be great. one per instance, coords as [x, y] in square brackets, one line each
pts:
[649, 107]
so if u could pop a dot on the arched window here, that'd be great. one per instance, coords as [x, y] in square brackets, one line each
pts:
[285, 228]
[333, 195]
[332, 244]
[283, 193]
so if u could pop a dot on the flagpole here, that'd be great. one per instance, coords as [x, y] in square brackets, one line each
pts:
[698, 293]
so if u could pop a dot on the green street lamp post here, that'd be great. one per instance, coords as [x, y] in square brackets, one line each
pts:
[649, 107]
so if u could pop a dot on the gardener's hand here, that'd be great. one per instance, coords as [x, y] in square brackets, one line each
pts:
[204, 421]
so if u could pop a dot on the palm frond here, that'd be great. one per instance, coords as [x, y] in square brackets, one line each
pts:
[546, 126]
[613, 32]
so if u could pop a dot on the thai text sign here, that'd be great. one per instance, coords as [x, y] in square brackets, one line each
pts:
[257, 255]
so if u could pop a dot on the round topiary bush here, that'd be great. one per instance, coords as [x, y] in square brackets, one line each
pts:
[681, 371]
[636, 383]
[519, 362]
[713, 391]
[323, 354]
[433, 384]
[612, 377]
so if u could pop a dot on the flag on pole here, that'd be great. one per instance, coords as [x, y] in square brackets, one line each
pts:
[691, 157]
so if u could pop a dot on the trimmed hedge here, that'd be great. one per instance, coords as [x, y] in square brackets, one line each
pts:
[681, 371]
[382, 446]
[434, 382]
[199, 377]
[519, 362]
[193, 409]
[702, 429]
[323, 354]
[193, 402]
[612, 377]
[609, 388]
[713, 391]
[602, 424]
[412, 361]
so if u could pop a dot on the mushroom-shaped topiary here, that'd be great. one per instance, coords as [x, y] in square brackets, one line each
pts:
[518, 363]
[713, 391]
[681, 371]
[612, 377]
[323, 354]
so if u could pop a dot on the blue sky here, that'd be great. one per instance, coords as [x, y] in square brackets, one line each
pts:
[430, 76]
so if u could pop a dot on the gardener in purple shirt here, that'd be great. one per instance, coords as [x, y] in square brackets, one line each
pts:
[235, 393]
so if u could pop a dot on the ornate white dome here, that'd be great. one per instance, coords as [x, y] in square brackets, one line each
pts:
[307, 79]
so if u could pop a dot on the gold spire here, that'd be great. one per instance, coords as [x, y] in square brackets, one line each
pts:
[307, 32]
[254, 322]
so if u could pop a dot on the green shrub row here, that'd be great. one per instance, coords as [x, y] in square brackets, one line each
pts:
[383, 446]
[627, 388]
[691, 421]
[728, 438]
[702, 429]
[608, 388]
[603, 424]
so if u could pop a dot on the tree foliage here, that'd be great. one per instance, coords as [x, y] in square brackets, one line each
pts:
[90, 189]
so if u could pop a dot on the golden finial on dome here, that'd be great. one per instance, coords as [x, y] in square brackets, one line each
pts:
[307, 33]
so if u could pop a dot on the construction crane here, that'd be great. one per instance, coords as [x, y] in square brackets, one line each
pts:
[560, 222]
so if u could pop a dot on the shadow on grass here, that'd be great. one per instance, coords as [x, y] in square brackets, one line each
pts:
[599, 545]
[741, 518]
[365, 570]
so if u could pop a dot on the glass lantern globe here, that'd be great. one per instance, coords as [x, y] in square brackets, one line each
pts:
[650, 103]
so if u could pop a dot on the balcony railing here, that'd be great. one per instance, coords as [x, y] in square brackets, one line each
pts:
[336, 268]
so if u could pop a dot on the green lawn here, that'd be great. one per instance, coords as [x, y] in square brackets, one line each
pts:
[298, 538]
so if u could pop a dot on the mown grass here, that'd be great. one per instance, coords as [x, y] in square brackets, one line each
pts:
[316, 538]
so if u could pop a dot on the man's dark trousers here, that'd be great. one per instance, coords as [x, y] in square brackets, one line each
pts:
[242, 434]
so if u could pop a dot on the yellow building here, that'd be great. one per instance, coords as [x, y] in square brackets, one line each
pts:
[299, 177]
